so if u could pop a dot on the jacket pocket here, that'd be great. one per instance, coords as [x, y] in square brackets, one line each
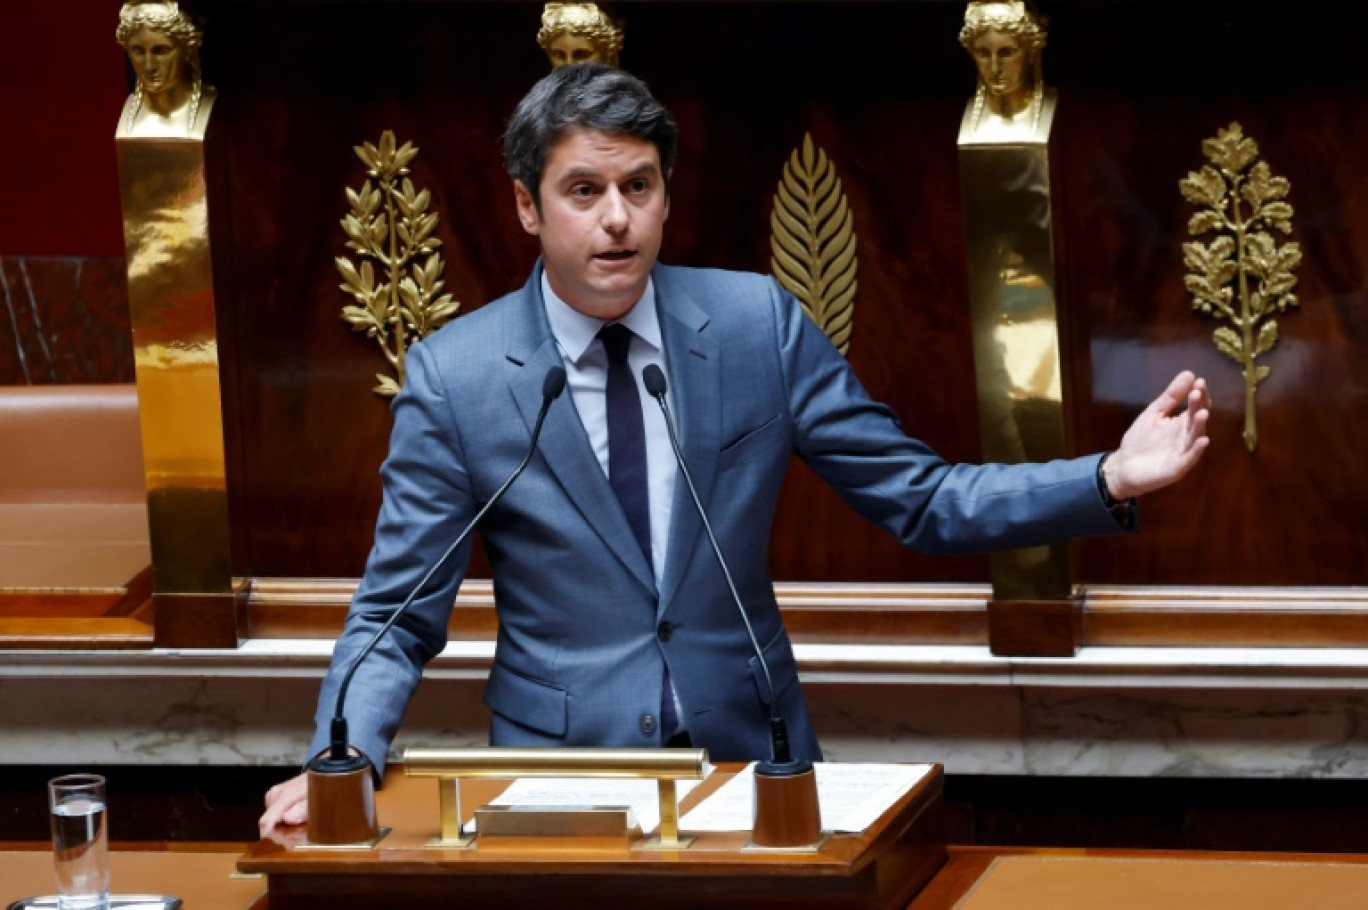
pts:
[538, 705]
[751, 437]
[782, 666]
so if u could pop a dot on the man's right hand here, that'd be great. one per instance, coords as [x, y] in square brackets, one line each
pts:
[286, 804]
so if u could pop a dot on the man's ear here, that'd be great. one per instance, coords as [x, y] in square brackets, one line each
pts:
[527, 209]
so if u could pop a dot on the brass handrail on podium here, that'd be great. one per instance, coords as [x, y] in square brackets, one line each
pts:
[665, 766]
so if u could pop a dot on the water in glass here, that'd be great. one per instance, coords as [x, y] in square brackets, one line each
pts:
[80, 844]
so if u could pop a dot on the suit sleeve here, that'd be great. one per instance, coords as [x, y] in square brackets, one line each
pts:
[858, 447]
[427, 501]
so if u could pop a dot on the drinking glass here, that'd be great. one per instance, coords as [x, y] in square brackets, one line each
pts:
[80, 841]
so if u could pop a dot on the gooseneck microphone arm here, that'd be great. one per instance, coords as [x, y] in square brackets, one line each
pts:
[654, 379]
[552, 386]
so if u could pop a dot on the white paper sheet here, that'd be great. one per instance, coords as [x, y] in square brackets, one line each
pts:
[851, 797]
[641, 796]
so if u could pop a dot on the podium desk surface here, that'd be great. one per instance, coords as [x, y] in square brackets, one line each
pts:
[1008, 878]
[203, 876]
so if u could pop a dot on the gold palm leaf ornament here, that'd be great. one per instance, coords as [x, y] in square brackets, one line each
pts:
[1243, 276]
[812, 242]
[389, 225]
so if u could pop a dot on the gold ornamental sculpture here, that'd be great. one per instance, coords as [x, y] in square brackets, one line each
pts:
[1243, 276]
[1005, 186]
[812, 242]
[159, 148]
[1011, 101]
[579, 33]
[390, 225]
[170, 99]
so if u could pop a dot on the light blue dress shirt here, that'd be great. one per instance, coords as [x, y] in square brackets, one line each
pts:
[586, 373]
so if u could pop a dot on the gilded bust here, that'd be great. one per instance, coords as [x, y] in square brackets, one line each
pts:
[1005, 39]
[579, 33]
[162, 43]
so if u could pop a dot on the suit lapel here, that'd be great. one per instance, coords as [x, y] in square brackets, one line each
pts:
[695, 373]
[564, 445]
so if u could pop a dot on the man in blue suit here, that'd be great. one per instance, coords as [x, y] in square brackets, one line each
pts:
[615, 624]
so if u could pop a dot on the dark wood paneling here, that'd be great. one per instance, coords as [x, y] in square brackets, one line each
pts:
[64, 320]
[221, 803]
[1157, 813]
[61, 194]
[881, 87]
[1294, 512]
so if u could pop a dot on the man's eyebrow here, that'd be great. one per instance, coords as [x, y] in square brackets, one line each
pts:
[579, 173]
[585, 173]
[643, 169]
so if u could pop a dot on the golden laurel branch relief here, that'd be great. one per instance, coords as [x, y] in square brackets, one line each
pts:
[390, 224]
[1243, 275]
[813, 243]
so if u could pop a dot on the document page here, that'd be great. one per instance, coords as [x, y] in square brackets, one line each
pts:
[641, 796]
[851, 797]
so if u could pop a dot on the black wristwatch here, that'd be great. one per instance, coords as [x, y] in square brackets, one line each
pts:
[1108, 500]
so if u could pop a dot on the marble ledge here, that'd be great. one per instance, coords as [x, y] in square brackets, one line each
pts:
[831, 664]
[1112, 712]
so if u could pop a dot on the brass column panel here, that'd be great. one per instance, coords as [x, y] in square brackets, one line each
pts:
[171, 300]
[1005, 175]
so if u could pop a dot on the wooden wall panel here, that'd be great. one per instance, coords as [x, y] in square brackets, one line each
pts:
[64, 320]
[1294, 512]
[61, 88]
[881, 88]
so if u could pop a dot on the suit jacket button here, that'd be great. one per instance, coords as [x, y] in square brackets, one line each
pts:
[648, 724]
[664, 631]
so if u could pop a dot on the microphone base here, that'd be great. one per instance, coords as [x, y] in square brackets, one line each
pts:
[341, 803]
[787, 813]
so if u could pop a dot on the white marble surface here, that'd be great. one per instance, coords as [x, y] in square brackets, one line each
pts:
[1294, 713]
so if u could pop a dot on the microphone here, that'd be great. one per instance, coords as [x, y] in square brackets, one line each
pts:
[787, 812]
[781, 761]
[338, 758]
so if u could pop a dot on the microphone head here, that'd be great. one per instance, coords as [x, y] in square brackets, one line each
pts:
[654, 378]
[554, 383]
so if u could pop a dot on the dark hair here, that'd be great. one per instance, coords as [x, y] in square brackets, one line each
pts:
[590, 96]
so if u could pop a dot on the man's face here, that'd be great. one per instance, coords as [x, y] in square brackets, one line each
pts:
[1001, 62]
[156, 59]
[603, 208]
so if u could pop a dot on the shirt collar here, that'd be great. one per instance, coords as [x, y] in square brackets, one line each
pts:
[575, 332]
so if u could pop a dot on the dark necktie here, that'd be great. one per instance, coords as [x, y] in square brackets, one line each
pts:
[626, 437]
[627, 470]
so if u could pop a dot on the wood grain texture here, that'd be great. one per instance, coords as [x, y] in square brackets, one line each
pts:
[881, 867]
[925, 614]
[881, 88]
[1065, 879]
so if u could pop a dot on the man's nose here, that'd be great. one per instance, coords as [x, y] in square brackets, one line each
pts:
[615, 215]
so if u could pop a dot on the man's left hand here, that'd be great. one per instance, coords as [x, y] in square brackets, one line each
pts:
[1164, 442]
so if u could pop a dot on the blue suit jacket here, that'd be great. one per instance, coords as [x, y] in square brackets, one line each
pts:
[578, 660]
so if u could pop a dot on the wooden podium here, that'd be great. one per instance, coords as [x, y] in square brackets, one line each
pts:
[882, 867]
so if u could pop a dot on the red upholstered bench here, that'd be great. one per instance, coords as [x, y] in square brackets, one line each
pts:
[73, 509]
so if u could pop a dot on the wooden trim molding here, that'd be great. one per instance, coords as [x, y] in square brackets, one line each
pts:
[921, 614]
[93, 619]
[1226, 617]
